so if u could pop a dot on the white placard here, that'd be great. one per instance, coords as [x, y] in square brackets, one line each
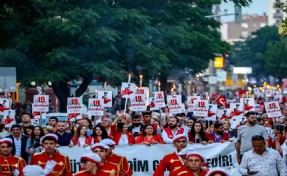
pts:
[273, 109]
[96, 106]
[201, 108]
[248, 104]
[159, 99]
[212, 111]
[74, 105]
[190, 102]
[236, 114]
[257, 91]
[151, 103]
[174, 104]
[223, 114]
[138, 102]
[128, 89]
[9, 118]
[4, 102]
[107, 97]
[41, 103]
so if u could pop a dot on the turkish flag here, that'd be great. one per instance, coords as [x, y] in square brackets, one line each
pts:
[221, 100]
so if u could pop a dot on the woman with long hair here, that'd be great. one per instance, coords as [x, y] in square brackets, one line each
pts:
[148, 136]
[89, 124]
[99, 133]
[74, 128]
[81, 139]
[33, 143]
[123, 136]
[197, 135]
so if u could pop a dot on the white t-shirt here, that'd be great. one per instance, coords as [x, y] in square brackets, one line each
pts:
[123, 140]
[82, 141]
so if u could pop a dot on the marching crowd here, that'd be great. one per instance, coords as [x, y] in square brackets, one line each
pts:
[32, 150]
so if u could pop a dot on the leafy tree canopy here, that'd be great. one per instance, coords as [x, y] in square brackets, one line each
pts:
[61, 40]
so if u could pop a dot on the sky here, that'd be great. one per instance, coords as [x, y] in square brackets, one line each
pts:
[257, 6]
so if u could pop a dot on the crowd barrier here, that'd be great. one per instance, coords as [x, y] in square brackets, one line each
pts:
[144, 159]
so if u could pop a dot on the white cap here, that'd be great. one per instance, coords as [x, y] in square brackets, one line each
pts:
[179, 136]
[50, 135]
[185, 151]
[6, 140]
[93, 157]
[108, 142]
[99, 145]
[196, 154]
[34, 170]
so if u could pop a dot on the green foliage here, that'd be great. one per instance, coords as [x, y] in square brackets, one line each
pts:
[61, 40]
[246, 53]
[275, 58]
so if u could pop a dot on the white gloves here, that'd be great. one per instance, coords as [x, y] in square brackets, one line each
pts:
[49, 167]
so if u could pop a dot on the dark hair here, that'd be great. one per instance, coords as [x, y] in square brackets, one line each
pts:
[280, 128]
[250, 113]
[31, 127]
[25, 113]
[285, 129]
[145, 126]
[53, 117]
[217, 125]
[37, 143]
[201, 133]
[136, 116]
[90, 123]
[177, 120]
[72, 130]
[258, 138]
[16, 126]
[146, 113]
[104, 132]
[120, 127]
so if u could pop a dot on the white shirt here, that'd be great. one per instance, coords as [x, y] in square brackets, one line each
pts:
[270, 163]
[123, 140]
[82, 141]
[165, 137]
[17, 144]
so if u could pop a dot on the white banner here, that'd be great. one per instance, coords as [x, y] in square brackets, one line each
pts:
[217, 155]
[41, 103]
[9, 118]
[273, 109]
[212, 110]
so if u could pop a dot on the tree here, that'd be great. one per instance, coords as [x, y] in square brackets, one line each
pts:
[275, 59]
[62, 40]
[246, 53]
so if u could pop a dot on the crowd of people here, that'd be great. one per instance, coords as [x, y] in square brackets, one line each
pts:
[261, 147]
